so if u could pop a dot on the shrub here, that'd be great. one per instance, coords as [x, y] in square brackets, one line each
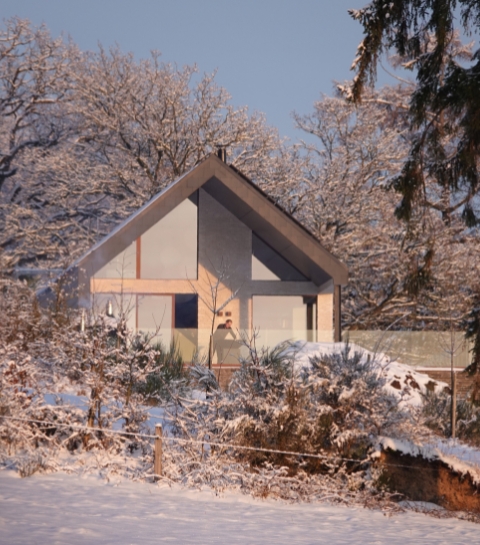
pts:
[167, 372]
[335, 407]
[436, 412]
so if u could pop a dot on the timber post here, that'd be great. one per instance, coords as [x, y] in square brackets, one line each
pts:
[454, 404]
[158, 463]
[337, 314]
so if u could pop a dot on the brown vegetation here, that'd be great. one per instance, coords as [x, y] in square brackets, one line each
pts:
[420, 479]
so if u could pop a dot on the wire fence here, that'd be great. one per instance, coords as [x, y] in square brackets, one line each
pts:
[207, 442]
[181, 440]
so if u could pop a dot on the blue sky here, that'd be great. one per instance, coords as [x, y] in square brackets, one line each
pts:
[274, 56]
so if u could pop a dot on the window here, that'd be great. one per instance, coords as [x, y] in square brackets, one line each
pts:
[186, 311]
[124, 265]
[168, 250]
[267, 264]
[279, 318]
[116, 305]
[186, 324]
[155, 317]
[150, 314]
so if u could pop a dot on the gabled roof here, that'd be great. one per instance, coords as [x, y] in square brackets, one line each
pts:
[242, 198]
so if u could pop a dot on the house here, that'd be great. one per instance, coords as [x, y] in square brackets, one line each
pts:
[208, 251]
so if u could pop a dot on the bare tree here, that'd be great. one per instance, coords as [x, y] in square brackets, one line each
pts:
[395, 269]
[89, 137]
[215, 295]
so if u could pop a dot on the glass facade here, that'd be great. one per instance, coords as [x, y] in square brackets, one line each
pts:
[260, 271]
[186, 324]
[124, 265]
[169, 248]
[116, 306]
[155, 317]
[186, 311]
[169, 251]
[167, 317]
[166, 251]
[267, 264]
[279, 318]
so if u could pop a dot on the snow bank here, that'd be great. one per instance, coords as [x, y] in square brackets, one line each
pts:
[460, 458]
[66, 400]
[402, 381]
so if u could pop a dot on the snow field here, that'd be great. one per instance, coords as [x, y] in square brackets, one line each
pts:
[65, 509]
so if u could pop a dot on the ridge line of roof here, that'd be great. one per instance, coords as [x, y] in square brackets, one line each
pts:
[275, 203]
[168, 187]
[287, 214]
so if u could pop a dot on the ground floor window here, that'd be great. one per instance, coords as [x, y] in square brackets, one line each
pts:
[155, 317]
[167, 318]
[278, 318]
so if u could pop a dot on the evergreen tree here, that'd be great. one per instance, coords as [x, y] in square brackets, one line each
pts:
[445, 105]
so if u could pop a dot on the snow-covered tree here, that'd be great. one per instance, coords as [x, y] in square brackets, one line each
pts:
[398, 272]
[89, 137]
[444, 106]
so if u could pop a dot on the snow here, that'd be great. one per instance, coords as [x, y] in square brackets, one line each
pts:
[66, 400]
[59, 508]
[459, 457]
[402, 381]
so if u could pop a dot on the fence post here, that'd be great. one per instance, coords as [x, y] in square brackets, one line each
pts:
[210, 352]
[454, 404]
[157, 469]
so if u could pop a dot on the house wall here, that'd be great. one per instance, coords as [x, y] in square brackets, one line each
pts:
[224, 253]
[225, 258]
[325, 314]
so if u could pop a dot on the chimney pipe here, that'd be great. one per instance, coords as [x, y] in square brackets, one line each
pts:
[222, 154]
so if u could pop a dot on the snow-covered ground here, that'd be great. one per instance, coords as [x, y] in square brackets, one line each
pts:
[401, 380]
[66, 509]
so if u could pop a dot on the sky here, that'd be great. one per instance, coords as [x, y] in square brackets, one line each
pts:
[274, 56]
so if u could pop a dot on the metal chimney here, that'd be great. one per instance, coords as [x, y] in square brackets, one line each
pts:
[222, 154]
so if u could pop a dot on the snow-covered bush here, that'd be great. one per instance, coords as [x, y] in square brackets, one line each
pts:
[437, 416]
[29, 426]
[64, 387]
[202, 378]
[335, 408]
[167, 373]
[436, 412]
[468, 422]
[353, 390]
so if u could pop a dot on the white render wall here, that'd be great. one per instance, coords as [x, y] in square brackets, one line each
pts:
[224, 252]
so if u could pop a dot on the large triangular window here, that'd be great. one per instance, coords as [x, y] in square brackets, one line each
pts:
[267, 264]
[124, 265]
[167, 250]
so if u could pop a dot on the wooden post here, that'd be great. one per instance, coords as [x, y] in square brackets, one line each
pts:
[158, 450]
[337, 314]
[210, 352]
[454, 404]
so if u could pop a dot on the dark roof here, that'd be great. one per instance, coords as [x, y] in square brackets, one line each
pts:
[245, 200]
[274, 202]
